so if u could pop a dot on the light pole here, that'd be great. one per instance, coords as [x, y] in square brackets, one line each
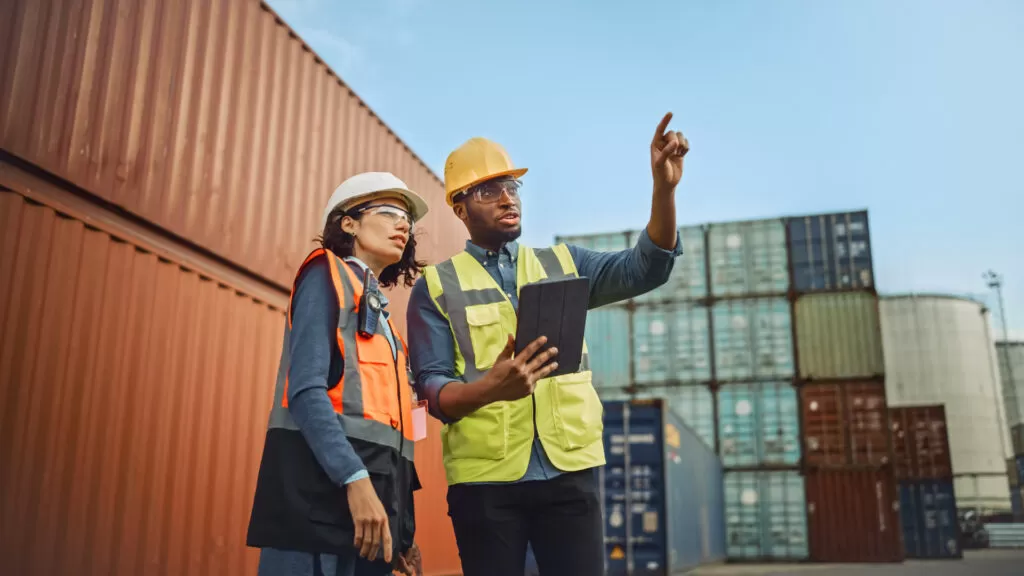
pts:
[995, 282]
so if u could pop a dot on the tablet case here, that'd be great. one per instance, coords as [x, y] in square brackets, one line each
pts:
[556, 309]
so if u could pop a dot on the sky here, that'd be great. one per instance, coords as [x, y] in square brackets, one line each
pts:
[913, 110]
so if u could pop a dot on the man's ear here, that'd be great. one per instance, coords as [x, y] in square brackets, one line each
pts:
[460, 211]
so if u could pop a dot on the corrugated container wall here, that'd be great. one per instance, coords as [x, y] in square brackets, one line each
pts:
[607, 336]
[920, 443]
[1011, 371]
[928, 513]
[852, 516]
[209, 119]
[610, 242]
[661, 492]
[693, 404]
[765, 516]
[838, 336]
[689, 274]
[759, 424]
[671, 344]
[748, 258]
[130, 431]
[830, 252]
[226, 154]
[939, 350]
[753, 339]
[845, 424]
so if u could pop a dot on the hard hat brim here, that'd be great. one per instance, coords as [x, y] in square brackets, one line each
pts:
[417, 205]
[515, 173]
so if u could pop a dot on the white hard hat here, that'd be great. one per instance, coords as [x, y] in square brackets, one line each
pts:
[368, 183]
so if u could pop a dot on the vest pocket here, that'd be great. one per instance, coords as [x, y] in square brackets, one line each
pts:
[577, 410]
[377, 375]
[486, 333]
[483, 434]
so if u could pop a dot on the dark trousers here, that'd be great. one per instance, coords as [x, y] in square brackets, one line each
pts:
[560, 518]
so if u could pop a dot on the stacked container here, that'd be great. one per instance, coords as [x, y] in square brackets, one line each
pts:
[924, 471]
[852, 501]
[1011, 370]
[716, 341]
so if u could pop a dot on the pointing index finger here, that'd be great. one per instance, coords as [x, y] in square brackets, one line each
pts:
[660, 132]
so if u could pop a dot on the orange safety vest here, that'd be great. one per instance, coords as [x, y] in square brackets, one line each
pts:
[296, 506]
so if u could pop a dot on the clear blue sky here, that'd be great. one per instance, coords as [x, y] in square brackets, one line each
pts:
[911, 109]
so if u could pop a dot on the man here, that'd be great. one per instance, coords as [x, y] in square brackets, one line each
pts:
[520, 449]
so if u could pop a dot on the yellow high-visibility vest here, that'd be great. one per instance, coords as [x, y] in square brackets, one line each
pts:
[493, 444]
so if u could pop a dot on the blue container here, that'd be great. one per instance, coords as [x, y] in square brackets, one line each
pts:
[830, 251]
[670, 517]
[689, 273]
[607, 336]
[671, 344]
[694, 404]
[929, 518]
[753, 339]
[1019, 460]
[758, 424]
[765, 516]
[1017, 502]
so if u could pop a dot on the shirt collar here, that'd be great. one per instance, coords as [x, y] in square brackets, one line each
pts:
[510, 249]
[362, 268]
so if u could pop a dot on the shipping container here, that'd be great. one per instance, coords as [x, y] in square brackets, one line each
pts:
[838, 336]
[1017, 502]
[671, 344]
[758, 424]
[661, 492]
[607, 335]
[689, 273]
[1013, 472]
[753, 339]
[748, 258]
[117, 465]
[1011, 371]
[1020, 468]
[845, 424]
[830, 252]
[695, 405]
[852, 515]
[920, 443]
[1017, 439]
[765, 516]
[939, 350]
[928, 513]
[608, 242]
[212, 120]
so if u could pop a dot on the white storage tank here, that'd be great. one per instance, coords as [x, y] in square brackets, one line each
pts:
[939, 350]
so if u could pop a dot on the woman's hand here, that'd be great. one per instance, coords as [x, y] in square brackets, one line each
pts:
[410, 563]
[370, 520]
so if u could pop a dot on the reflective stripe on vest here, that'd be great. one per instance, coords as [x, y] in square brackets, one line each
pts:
[373, 399]
[494, 443]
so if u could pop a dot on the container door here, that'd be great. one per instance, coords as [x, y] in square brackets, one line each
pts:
[634, 490]
[852, 516]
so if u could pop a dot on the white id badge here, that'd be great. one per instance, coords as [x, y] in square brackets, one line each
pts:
[419, 421]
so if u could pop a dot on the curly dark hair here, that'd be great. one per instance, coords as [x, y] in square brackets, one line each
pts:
[341, 243]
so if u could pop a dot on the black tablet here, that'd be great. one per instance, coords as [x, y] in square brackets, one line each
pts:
[556, 309]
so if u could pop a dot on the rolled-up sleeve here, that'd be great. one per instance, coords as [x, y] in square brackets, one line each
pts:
[314, 320]
[616, 276]
[431, 349]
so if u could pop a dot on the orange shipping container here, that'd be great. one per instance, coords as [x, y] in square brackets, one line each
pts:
[920, 443]
[845, 424]
[852, 516]
[210, 119]
[135, 382]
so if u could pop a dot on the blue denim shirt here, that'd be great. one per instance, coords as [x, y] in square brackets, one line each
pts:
[614, 276]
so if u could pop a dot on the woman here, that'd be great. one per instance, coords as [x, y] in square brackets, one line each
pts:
[335, 486]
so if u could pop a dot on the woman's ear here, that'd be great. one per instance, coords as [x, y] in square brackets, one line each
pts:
[349, 225]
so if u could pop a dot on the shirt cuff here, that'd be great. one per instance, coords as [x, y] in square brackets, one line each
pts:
[357, 476]
[649, 248]
[431, 389]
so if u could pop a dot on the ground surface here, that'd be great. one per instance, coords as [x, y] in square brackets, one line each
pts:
[975, 563]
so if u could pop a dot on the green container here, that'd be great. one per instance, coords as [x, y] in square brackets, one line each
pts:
[838, 336]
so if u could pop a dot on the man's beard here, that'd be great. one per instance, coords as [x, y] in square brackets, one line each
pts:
[493, 236]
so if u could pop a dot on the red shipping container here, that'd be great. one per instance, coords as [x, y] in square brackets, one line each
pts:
[853, 515]
[845, 424]
[920, 443]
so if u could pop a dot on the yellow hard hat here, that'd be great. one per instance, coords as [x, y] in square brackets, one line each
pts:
[477, 160]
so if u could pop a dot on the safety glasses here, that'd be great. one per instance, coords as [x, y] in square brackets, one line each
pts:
[394, 214]
[490, 192]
